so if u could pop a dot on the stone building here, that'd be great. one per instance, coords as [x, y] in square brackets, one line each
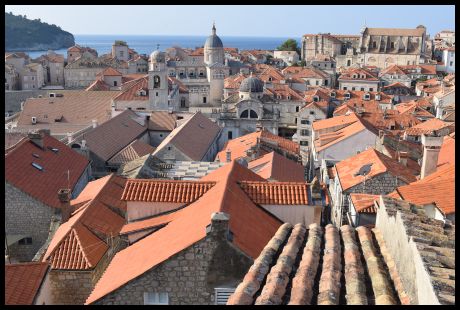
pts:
[53, 68]
[383, 47]
[368, 172]
[289, 57]
[11, 78]
[407, 259]
[76, 51]
[36, 169]
[406, 74]
[336, 46]
[120, 50]
[82, 248]
[32, 77]
[83, 71]
[138, 64]
[359, 79]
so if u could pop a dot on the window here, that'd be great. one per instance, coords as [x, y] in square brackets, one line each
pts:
[25, 241]
[156, 81]
[115, 83]
[304, 121]
[304, 132]
[182, 102]
[344, 88]
[315, 98]
[374, 44]
[297, 108]
[317, 82]
[325, 82]
[304, 143]
[169, 148]
[352, 88]
[312, 112]
[204, 99]
[362, 88]
[451, 63]
[156, 94]
[230, 135]
[155, 298]
[371, 89]
[223, 294]
[392, 44]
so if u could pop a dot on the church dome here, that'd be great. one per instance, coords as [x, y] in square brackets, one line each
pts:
[213, 40]
[252, 84]
[156, 56]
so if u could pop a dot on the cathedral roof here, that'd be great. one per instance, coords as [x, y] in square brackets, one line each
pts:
[252, 84]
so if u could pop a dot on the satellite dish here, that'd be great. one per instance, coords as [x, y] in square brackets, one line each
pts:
[364, 170]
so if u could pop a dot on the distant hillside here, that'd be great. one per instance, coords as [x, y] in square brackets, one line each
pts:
[22, 34]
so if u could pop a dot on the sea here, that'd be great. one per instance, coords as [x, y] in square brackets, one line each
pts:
[146, 44]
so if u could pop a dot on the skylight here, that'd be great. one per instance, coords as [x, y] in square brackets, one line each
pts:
[36, 155]
[37, 166]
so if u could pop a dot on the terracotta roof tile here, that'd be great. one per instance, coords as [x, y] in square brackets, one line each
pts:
[98, 85]
[165, 190]
[447, 152]
[162, 121]
[131, 152]
[43, 185]
[277, 193]
[193, 138]
[109, 72]
[364, 203]
[226, 196]
[347, 169]
[437, 188]
[149, 223]
[276, 167]
[359, 73]
[105, 144]
[22, 282]
[100, 211]
[131, 92]
[428, 127]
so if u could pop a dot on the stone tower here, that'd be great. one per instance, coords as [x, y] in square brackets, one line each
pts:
[158, 82]
[214, 59]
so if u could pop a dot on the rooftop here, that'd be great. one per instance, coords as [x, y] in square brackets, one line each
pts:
[23, 281]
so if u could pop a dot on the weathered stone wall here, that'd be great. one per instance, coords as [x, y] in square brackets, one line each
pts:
[69, 287]
[381, 184]
[190, 276]
[27, 216]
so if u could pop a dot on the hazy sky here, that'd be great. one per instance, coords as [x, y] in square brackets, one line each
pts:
[237, 20]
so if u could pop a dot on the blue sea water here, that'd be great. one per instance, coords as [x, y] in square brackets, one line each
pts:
[145, 44]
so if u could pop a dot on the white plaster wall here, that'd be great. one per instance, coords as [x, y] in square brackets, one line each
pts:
[44, 296]
[139, 209]
[296, 213]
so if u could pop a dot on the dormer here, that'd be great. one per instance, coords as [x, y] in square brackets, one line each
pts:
[355, 76]
[378, 97]
[367, 96]
[315, 98]
[333, 94]
[347, 95]
[141, 92]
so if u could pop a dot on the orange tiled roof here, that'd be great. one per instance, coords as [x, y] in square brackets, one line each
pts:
[325, 140]
[165, 190]
[348, 75]
[76, 244]
[447, 152]
[276, 193]
[337, 121]
[364, 203]
[189, 228]
[240, 145]
[437, 188]
[43, 185]
[276, 167]
[98, 85]
[130, 93]
[131, 152]
[109, 71]
[149, 223]
[346, 169]
[162, 121]
[428, 126]
[22, 282]
[283, 91]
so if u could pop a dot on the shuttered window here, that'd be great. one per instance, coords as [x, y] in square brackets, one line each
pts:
[223, 294]
[155, 298]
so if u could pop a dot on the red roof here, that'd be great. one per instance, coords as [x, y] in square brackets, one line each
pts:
[43, 185]
[276, 167]
[437, 188]
[276, 193]
[22, 282]
[165, 190]
[347, 169]
[189, 228]
[240, 145]
[109, 71]
[364, 203]
[77, 243]
[447, 152]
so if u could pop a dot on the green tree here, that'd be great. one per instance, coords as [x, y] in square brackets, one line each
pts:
[289, 45]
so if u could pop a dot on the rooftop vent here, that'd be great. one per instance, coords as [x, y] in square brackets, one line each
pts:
[52, 95]
[37, 166]
[36, 155]
[34, 120]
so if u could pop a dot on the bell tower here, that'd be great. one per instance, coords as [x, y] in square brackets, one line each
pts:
[158, 82]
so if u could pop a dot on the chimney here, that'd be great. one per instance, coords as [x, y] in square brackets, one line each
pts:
[402, 158]
[83, 143]
[94, 123]
[315, 190]
[64, 198]
[228, 156]
[36, 138]
[431, 147]
[69, 137]
[219, 226]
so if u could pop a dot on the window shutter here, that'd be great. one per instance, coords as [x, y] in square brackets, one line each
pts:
[223, 294]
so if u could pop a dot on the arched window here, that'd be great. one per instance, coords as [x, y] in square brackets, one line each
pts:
[75, 146]
[156, 81]
[244, 114]
[252, 114]
[248, 114]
